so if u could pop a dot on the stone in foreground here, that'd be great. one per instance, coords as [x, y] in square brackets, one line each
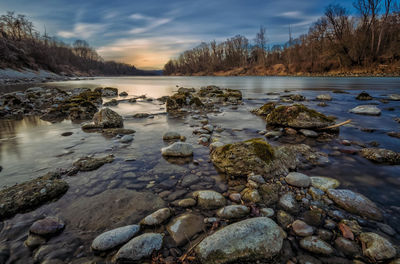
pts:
[184, 227]
[355, 203]
[178, 149]
[324, 183]
[251, 239]
[298, 179]
[377, 247]
[316, 245]
[114, 238]
[209, 199]
[366, 110]
[233, 212]
[139, 247]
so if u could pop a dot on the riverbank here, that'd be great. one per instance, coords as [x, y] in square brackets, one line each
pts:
[217, 176]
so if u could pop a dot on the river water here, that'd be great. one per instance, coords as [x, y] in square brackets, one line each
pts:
[31, 147]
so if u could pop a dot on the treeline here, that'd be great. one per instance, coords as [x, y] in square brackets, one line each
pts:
[337, 42]
[21, 46]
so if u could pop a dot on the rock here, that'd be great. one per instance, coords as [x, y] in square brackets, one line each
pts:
[67, 134]
[298, 116]
[364, 96]
[298, 179]
[233, 212]
[123, 94]
[209, 128]
[265, 109]
[300, 228]
[324, 183]
[386, 229]
[251, 239]
[34, 241]
[273, 134]
[292, 97]
[258, 157]
[316, 245]
[284, 219]
[190, 180]
[139, 247]
[171, 135]
[107, 91]
[157, 218]
[141, 115]
[113, 238]
[309, 133]
[112, 132]
[89, 163]
[112, 102]
[256, 178]
[31, 194]
[209, 199]
[47, 226]
[267, 212]
[288, 203]
[366, 110]
[178, 149]
[306, 259]
[251, 195]
[324, 97]
[394, 134]
[235, 197]
[107, 118]
[188, 202]
[126, 139]
[355, 203]
[184, 227]
[380, 155]
[377, 247]
[394, 97]
[313, 217]
[348, 247]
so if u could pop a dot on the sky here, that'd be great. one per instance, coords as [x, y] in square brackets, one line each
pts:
[148, 33]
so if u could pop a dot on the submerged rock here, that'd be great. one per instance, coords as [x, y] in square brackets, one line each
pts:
[324, 183]
[251, 239]
[366, 110]
[47, 226]
[298, 116]
[184, 227]
[364, 96]
[157, 218]
[380, 155]
[113, 238]
[324, 97]
[29, 195]
[209, 199]
[89, 163]
[377, 247]
[126, 139]
[139, 247]
[178, 149]
[107, 118]
[355, 203]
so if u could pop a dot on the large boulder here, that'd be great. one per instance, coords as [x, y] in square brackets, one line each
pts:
[251, 239]
[107, 118]
[380, 155]
[355, 203]
[257, 156]
[377, 247]
[298, 116]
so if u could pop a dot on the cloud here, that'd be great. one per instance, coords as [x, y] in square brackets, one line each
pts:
[138, 16]
[294, 14]
[82, 30]
[154, 23]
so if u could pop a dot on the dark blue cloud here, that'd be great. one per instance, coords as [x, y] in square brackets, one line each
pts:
[147, 33]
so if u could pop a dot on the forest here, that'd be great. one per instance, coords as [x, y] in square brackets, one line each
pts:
[21, 46]
[339, 42]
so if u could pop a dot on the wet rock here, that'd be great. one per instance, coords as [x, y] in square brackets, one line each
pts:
[67, 134]
[386, 229]
[306, 259]
[139, 247]
[209, 199]
[171, 135]
[251, 195]
[309, 133]
[273, 134]
[292, 97]
[184, 227]
[141, 115]
[31, 194]
[47, 226]
[325, 234]
[265, 109]
[284, 219]
[157, 218]
[324, 183]
[366, 110]
[269, 193]
[107, 91]
[251, 239]
[313, 217]
[233, 212]
[126, 139]
[298, 179]
[394, 97]
[107, 118]
[256, 178]
[364, 96]
[300, 228]
[113, 238]
[394, 134]
[178, 149]
[380, 155]
[113, 102]
[112, 132]
[267, 212]
[90, 163]
[34, 241]
[355, 203]
[188, 202]
[324, 97]
[377, 247]
[190, 180]
[348, 247]
[123, 94]
[316, 245]
[257, 156]
[288, 203]
[298, 116]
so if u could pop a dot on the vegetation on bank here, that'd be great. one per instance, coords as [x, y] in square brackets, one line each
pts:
[337, 44]
[21, 46]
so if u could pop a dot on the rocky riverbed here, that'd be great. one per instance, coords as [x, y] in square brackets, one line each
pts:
[204, 175]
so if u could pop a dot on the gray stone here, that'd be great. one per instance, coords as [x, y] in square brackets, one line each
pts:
[251, 239]
[107, 118]
[377, 247]
[178, 149]
[267, 212]
[157, 218]
[47, 226]
[366, 110]
[256, 178]
[309, 133]
[324, 97]
[324, 183]
[316, 245]
[113, 238]
[300, 228]
[139, 247]
[126, 139]
[288, 203]
[188, 202]
[380, 155]
[209, 199]
[189, 180]
[184, 227]
[394, 97]
[233, 212]
[298, 179]
[170, 135]
[348, 247]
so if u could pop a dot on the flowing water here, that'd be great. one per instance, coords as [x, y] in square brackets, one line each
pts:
[31, 147]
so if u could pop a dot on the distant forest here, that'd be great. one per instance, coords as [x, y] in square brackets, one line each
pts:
[21, 46]
[337, 43]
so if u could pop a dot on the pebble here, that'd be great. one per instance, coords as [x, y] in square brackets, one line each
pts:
[316, 245]
[139, 247]
[298, 179]
[209, 199]
[300, 228]
[233, 212]
[113, 238]
[157, 218]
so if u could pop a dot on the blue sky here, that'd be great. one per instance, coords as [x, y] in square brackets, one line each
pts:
[147, 33]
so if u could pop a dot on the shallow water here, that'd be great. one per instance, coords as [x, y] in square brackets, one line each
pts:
[31, 147]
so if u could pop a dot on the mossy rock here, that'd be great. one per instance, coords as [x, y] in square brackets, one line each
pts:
[298, 116]
[270, 193]
[196, 101]
[265, 109]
